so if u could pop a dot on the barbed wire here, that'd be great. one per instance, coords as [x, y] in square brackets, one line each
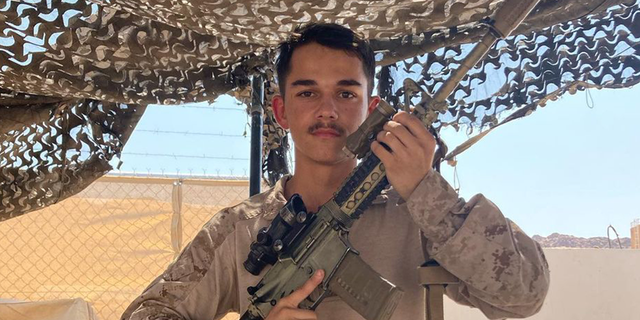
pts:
[212, 108]
[164, 173]
[221, 134]
[173, 155]
[176, 174]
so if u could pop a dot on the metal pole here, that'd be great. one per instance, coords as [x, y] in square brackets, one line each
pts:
[257, 101]
[507, 18]
[176, 218]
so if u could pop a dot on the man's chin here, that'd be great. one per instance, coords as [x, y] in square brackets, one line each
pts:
[332, 161]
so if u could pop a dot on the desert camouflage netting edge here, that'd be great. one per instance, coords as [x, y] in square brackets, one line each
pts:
[45, 162]
[114, 52]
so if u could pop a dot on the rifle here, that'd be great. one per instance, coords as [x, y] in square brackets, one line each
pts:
[297, 243]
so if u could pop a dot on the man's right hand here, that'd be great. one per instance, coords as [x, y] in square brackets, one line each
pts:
[287, 307]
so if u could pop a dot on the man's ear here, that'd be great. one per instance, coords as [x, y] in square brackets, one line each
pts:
[277, 103]
[373, 103]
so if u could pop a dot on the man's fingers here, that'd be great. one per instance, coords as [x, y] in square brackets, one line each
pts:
[381, 152]
[402, 132]
[288, 313]
[413, 125]
[294, 299]
[391, 141]
[287, 307]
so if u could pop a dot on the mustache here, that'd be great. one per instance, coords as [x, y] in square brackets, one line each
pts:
[330, 125]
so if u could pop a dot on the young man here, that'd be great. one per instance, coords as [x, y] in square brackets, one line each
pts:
[325, 74]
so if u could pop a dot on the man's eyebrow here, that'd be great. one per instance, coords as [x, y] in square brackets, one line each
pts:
[304, 82]
[349, 82]
[309, 82]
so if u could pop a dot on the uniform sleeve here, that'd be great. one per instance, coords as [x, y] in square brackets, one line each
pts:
[503, 272]
[200, 284]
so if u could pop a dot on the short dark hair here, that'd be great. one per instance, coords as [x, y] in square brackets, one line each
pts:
[329, 35]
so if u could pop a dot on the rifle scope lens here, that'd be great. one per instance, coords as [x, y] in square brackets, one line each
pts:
[277, 245]
[253, 266]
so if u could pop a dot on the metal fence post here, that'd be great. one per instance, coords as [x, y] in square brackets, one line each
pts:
[257, 101]
[176, 218]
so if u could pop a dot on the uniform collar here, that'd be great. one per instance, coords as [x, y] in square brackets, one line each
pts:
[275, 199]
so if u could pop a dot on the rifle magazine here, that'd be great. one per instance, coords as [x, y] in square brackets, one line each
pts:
[365, 290]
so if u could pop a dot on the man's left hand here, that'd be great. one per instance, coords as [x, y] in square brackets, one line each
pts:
[410, 153]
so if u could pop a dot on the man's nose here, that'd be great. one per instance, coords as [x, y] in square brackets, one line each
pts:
[327, 108]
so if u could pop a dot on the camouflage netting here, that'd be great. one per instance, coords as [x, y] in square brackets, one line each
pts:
[525, 71]
[54, 149]
[75, 75]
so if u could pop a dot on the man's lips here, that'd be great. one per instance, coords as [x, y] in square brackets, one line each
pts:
[326, 133]
[326, 130]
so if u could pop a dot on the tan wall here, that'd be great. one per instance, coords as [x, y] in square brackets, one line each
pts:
[586, 284]
[106, 244]
[635, 237]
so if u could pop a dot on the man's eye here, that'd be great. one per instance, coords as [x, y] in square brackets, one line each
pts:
[305, 94]
[347, 95]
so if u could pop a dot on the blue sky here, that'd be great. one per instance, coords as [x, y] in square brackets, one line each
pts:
[566, 168]
[171, 139]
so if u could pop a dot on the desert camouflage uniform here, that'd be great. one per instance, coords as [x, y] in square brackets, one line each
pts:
[502, 271]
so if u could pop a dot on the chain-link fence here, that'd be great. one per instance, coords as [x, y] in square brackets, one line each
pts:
[107, 243]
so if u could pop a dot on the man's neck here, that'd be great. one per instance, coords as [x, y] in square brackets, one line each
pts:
[316, 183]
